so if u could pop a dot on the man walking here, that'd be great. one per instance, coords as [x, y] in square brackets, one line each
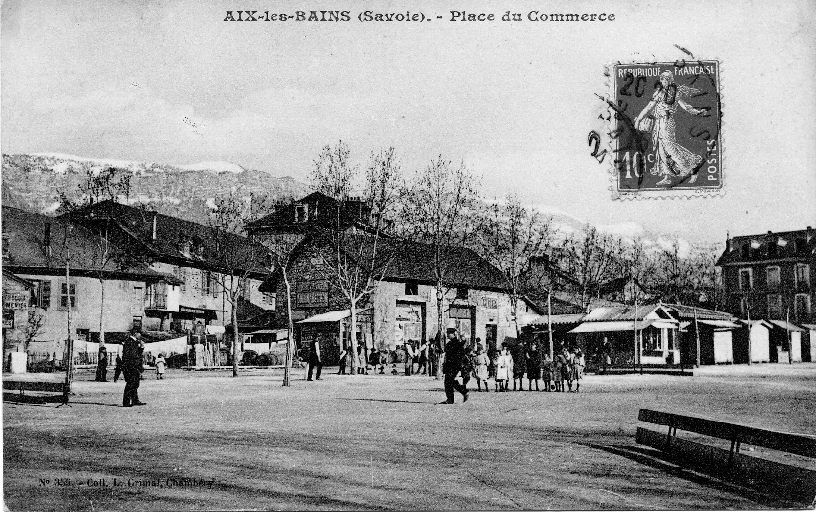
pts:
[132, 368]
[452, 365]
[315, 361]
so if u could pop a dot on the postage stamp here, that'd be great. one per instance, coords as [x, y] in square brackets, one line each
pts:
[665, 129]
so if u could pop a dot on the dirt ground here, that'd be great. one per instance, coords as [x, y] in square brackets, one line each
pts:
[208, 441]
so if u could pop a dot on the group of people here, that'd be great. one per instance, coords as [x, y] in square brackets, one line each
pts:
[557, 374]
[415, 358]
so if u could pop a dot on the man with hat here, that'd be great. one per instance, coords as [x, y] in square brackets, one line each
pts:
[132, 363]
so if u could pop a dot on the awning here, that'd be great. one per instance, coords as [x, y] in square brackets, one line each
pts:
[567, 318]
[215, 329]
[812, 327]
[280, 334]
[787, 326]
[664, 324]
[725, 324]
[331, 316]
[610, 326]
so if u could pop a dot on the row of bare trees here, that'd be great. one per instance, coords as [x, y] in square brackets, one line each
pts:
[439, 206]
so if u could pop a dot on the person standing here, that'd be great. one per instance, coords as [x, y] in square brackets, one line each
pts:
[315, 360]
[481, 368]
[468, 368]
[504, 367]
[578, 364]
[409, 357]
[560, 370]
[423, 358]
[343, 355]
[102, 365]
[606, 354]
[533, 367]
[547, 372]
[161, 366]
[117, 370]
[132, 367]
[452, 366]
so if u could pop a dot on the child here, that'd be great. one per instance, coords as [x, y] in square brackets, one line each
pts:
[504, 366]
[547, 372]
[578, 364]
[566, 370]
[161, 365]
[467, 366]
[481, 369]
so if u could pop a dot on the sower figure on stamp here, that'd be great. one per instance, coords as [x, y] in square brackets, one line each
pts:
[451, 366]
[671, 159]
[132, 367]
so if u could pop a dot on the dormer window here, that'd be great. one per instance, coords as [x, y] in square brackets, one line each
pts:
[745, 251]
[301, 213]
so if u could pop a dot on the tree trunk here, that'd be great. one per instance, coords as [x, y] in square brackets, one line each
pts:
[440, 355]
[102, 314]
[235, 340]
[514, 306]
[291, 333]
[353, 337]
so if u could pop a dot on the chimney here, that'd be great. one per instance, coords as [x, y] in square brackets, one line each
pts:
[809, 233]
[728, 243]
[154, 226]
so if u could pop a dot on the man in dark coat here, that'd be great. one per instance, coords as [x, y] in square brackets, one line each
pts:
[102, 365]
[315, 360]
[132, 368]
[117, 370]
[452, 365]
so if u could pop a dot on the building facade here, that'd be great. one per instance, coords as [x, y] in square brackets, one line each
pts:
[769, 275]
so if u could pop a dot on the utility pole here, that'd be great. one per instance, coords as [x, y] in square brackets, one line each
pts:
[697, 328]
[69, 377]
[549, 321]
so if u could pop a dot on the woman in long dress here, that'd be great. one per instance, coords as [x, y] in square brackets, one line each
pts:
[671, 159]
[481, 368]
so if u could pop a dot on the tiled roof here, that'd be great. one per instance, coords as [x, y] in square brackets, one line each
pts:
[690, 312]
[604, 314]
[27, 253]
[176, 239]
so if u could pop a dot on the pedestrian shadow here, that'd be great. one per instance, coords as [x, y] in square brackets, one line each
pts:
[389, 401]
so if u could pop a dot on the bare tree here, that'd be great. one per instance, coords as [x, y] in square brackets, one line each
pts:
[511, 238]
[237, 259]
[437, 209]
[591, 259]
[352, 251]
[34, 325]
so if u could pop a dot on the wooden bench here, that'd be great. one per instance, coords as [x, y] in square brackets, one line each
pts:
[792, 481]
[63, 388]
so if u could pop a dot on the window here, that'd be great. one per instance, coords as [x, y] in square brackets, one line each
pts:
[411, 288]
[802, 308]
[301, 213]
[746, 281]
[181, 274]
[269, 299]
[800, 246]
[774, 305]
[802, 273]
[745, 251]
[462, 292]
[652, 342]
[41, 296]
[67, 293]
[156, 296]
[772, 252]
[206, 282]
[772, 275]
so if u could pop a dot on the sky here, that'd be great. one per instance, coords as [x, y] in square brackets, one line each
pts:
[172, 82]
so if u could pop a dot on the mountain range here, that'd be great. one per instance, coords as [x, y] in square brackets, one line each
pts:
[35, 182]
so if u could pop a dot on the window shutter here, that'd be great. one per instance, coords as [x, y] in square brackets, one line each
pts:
[45, 294]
